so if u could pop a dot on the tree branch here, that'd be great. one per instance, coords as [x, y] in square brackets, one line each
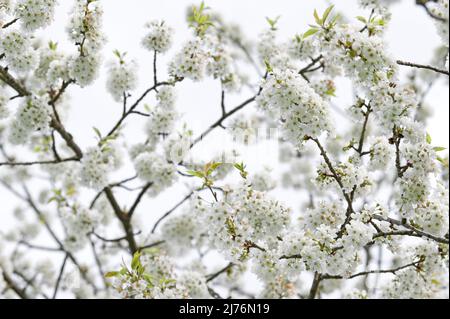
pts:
[412, 228]
[378, 271]
[421, 66]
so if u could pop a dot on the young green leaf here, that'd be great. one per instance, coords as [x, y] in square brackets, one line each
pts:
[310, 32]
[327, 13]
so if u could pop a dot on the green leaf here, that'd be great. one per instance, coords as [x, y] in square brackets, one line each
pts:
[362, 19]
[334, 20]
[53, 45]
[316, 17]
[428, 138]
[327, 13]
[310, 32]
[111, 274]
[136, 262]
[97, 132]
[439, 149]
[269, 68]
[196, 173]
[273, 22]
[443, 161]
[211, 167]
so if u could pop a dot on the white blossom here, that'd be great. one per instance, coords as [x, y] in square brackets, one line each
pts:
[35, 14]
[159, 36]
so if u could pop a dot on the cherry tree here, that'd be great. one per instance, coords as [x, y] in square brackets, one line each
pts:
[374, 219]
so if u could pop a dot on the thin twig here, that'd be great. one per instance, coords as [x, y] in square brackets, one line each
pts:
[61, 272]
[422, 66]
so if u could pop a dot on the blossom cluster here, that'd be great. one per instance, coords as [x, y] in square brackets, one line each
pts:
[303, 113]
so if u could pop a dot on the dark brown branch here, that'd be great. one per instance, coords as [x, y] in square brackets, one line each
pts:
[220, 121]
[68, 138]
[220, 272]
[308, 67]
[138, 199]
[378, 271]
[13, 286]
[222, 103]
[54, 148]
[124, 219]
[315, 286]
[10, 23]
[131, 110]
[37, 247]
[155, 244]
[13, 83]
[169, 212]
[412, 228]
[60, 275]
[363, 131]
[422, 66]
[49, 162]
[114, 240]
[338, 179]
[98, 263]
[155, 71]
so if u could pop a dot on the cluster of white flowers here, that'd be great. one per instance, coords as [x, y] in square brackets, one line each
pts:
[32, 115]
[4, 112]
[426, 280]
[19, 53]
[180, 234]
[190, 62]
[380, 7]
[159, 37]
[152, 275]
[85, 24]
[243, 218]
[268, 48]
[122, 78]
[329, 214]
[263, 181]
[432, 214]
[414, 186]
[35, 14]
[244, 130]
[194, 285]
[302, 48]
[381, 153]
[357, 233]
[155, 169]
[317, 250]
[362, 56]
[164, 114]
[177, 146]
[84, 30]
[289, 97]
[392, 104]
[440, 10]
[84, 69]
[220, 63]
[95, 167]
[324, 87]
[58, 72]
[351, 176]
[78, 222]
[6, 7]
